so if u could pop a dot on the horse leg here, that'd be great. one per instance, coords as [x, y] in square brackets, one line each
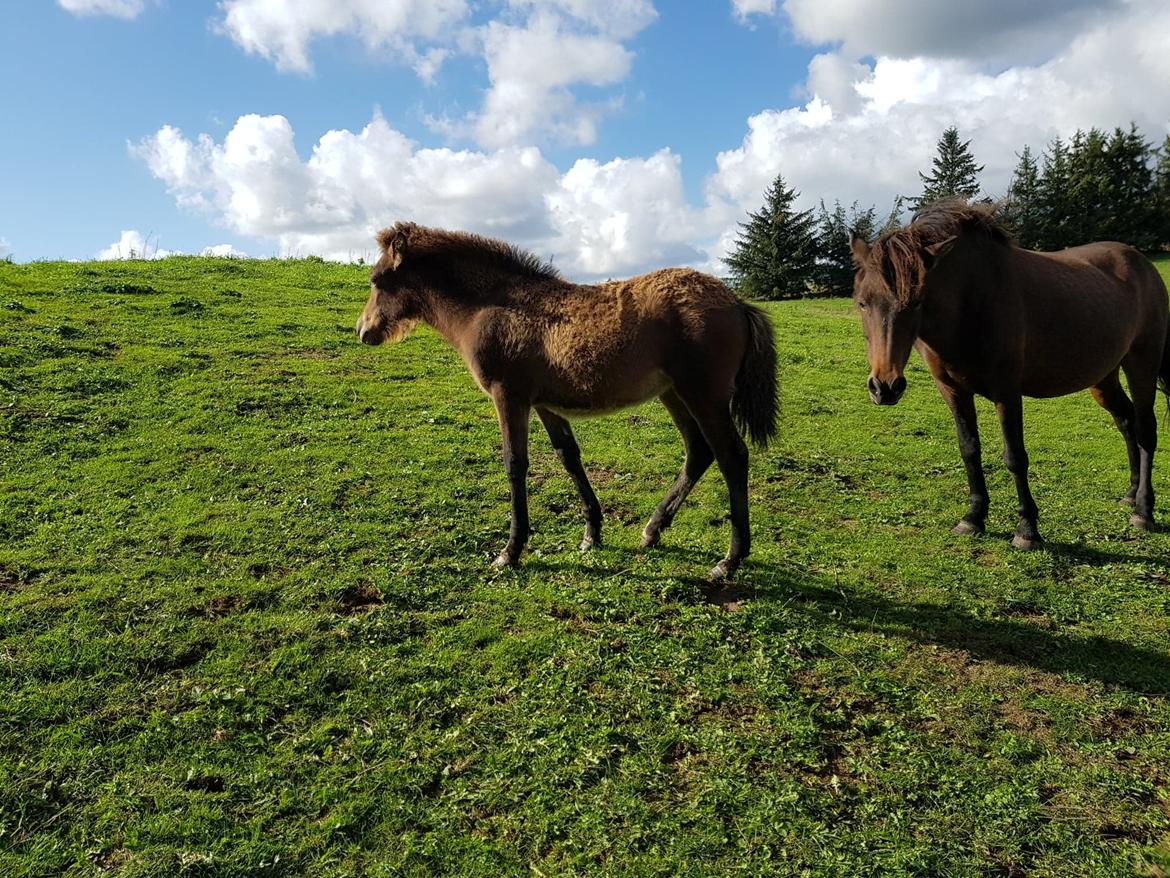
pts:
[962, 405]
[1015, 456]
[1112, 398]
[513, 417]
[1143, 387]
[560, 433]
[714, 420]
[698, 458]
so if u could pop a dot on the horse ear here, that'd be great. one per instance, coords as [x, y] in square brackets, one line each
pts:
[859, 246]
[935, 252]
[395, 242]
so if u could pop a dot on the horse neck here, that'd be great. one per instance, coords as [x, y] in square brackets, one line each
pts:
[949, 288]
[451, 296]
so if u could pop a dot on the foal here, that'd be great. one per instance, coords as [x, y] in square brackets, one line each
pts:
[992, 319]
[534, 341]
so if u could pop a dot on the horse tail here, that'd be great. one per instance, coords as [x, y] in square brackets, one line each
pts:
[755, 401]
[1164, 372]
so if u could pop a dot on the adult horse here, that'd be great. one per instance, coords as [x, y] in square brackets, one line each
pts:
[993, 319]
[534, 341]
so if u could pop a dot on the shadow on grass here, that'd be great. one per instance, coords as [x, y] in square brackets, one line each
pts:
[1004, 640]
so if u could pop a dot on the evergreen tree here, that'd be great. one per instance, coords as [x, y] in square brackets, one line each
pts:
[1129, 211]
[774, 256]
[1022, 213]
[894, 217]
[955, 171]
[1161, 196]
[1054, 202]
[834, 256]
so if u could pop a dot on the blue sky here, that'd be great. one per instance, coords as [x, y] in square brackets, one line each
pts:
[545, 121]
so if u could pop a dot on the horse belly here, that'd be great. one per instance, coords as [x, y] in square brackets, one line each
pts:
[629, 390]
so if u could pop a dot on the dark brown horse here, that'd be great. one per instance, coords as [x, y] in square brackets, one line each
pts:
[534, 341]
[992, 319]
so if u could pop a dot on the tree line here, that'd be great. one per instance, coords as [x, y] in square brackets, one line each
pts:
[1094, 186]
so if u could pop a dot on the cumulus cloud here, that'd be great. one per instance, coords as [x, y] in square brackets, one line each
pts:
[867, 129]
[536, 52]
[596, 220]
[126, 9]
[744, 9]
[132, 245]
[282, 31]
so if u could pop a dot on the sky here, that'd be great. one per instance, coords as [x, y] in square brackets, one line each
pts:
[611, 137]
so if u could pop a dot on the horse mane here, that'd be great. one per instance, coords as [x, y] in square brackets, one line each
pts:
[899, 252]
[421, 242]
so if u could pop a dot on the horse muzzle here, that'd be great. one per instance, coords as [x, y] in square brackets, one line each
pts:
[368, 334]
[886, 394]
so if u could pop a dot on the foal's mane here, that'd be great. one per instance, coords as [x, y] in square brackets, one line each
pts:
[430, 244]
[900, 252]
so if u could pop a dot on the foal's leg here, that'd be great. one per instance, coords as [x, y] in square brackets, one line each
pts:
[1143, 386]
[699, 458]
[714, 420]
[565, 445]
[513, 415]
[1112, 398]
[962, 405]
[1011, 421]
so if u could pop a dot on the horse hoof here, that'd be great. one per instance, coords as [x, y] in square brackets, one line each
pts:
[505, 560]
[650, 538]
[1141, 522]
[589, 544]
[721, 572]
[1128, 500]
[967, 528]
[1027, 544]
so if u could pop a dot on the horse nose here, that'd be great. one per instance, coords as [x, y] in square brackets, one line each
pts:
[886, 394]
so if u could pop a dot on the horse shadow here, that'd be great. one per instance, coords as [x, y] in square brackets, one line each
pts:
[829, 604]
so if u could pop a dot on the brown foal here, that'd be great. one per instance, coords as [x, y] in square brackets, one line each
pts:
[992, 319]
[534, 341]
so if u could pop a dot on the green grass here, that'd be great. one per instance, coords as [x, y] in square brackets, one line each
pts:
[248, 626]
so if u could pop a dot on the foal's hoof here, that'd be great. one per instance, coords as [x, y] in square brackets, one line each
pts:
[589, 543]
[1141, 522]
[1027, 544]
[650, 538]
[506, 560]
[722, 572]
[967, 528]
[1128, 500]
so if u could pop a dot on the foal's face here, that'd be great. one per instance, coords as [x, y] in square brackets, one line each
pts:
[890, 328]
[391, 312]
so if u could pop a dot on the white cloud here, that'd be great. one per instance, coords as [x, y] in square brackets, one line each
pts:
[223, 250]
[868, 129]
[536, 52]
[5, 248]
[744, 9]
[281, 30]
[132, 245]
[595, 220]
[127, 9]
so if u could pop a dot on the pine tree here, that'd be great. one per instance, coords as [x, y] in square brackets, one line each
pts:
[955, 171]
[834, 231]
[774, 256]
[1161, 196]
[1128, 205]
[1022, 213]
[1055, 205]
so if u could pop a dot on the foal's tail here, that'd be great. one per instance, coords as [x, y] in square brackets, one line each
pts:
[754, 402]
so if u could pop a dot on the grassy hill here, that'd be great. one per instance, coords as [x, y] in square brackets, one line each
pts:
[248, 627]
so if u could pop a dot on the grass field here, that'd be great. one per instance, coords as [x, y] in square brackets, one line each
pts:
[248, 627]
